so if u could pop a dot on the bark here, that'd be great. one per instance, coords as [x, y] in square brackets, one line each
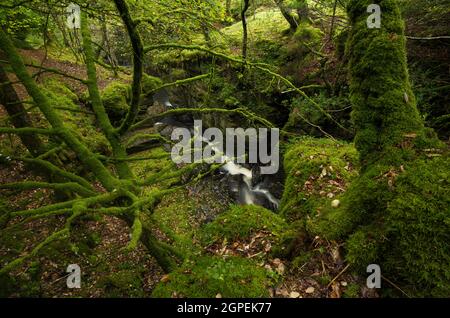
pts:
[287, 14]
[138, 57]
[245, 30]
[19, 117]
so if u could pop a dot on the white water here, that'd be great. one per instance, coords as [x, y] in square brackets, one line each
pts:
[248, 192]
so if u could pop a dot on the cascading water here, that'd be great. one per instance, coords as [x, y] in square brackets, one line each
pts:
[248, 194]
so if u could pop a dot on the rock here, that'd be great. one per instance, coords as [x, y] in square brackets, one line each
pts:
[310, 290]
[335, 203]
[276, 261]
[294, 294]
[280, 269]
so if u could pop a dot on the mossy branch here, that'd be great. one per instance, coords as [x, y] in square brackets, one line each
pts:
[138, 57]
[111, 159]
[29, 131]
[181, 82]
[56, 170]
[17, 262]
[97, 105]
[136, 137]
[136, 233]
[99, 199]
[29, 185]
[77, 209]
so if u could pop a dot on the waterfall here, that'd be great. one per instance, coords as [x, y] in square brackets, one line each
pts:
[247, 190]
[249, 194]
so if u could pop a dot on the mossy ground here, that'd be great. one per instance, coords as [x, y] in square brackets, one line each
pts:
[208, 277]
[318, 171]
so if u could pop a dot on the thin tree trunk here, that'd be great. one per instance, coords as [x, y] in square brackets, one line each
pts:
[244, 26]
[333, 19]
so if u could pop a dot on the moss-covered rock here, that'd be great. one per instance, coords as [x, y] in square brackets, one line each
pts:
[208, 276]
[115, 98]
[240, 222]
[150, 83]
[318, 171]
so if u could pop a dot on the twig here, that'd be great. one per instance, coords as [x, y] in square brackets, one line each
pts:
[338, 275]
[395, 286]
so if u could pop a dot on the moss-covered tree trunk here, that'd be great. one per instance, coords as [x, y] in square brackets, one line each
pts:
[287, 14]
[384, 108]
[395, 213]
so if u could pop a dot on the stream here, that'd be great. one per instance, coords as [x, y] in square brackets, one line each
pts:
[246, 184]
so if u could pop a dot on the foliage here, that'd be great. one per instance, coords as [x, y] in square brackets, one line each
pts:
[19, 21]
[302, 109]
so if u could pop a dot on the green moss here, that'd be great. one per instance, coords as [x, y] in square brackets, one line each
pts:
[240, 222]
[315, 168]
[399, 220]
[175, 215]
[352, 291]
[115, 98]
[160, 159]
[306, 33]
[396, 213]
[208, 276]
[60, 88]
[82, 124]
[150, 83]
[125, 283]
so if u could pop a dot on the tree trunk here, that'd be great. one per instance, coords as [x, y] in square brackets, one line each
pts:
[244, 26]
[385, 112]
[19, 117]
[287, 14]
